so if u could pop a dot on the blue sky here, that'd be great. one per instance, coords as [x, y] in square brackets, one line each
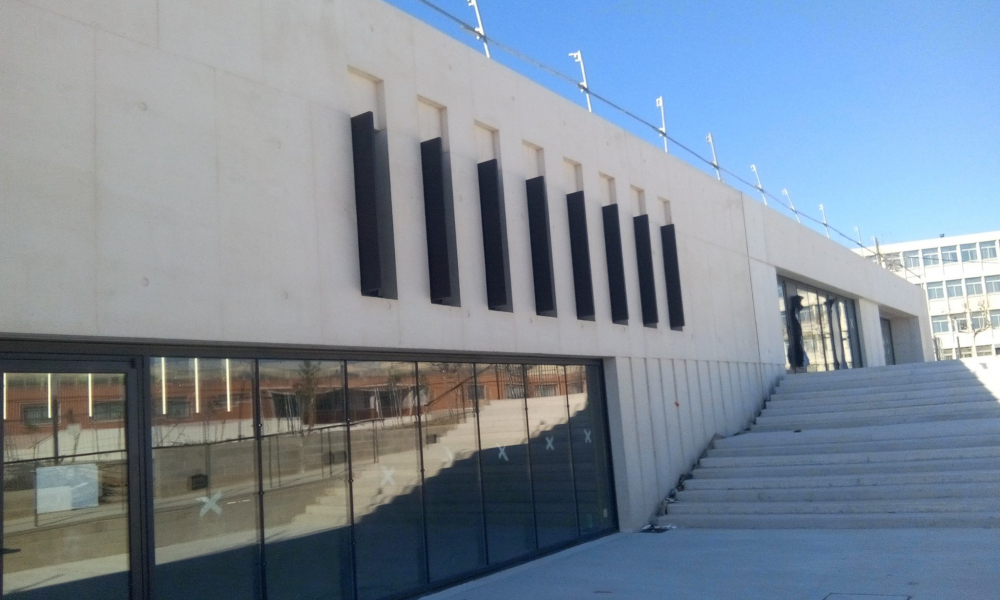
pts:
[885, 111]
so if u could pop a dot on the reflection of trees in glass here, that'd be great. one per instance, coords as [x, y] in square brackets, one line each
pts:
[305, 391]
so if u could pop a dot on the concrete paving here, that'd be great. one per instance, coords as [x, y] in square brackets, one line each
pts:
[706, 564]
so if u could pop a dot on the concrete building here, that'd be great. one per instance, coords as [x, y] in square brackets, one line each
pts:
[961, 276]
[306, 299]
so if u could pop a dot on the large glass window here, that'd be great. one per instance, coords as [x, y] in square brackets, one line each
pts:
[995, 319]
[988, 250]
[589, 446]
[383, 401]
[551, 456]
[961, 322]
[304, 459]
[204, 479]
[949, 254]
[911, 259]
[820, 328]
[954, 287]
[930, 256]
[935, 290]
[978, 321]
[65, 515]
[939, 324]
[510, 517]
[969, 253]
[992, 284]
[456, 540]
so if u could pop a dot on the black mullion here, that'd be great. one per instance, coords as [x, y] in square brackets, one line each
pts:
[258, 438]
[423, 488]
[138, 465]
[3, 426]
[527, 447]
[569, 436]
[479, 460]
[350, 481]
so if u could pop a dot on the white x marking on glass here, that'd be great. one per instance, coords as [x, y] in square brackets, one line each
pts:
[387, 476]
[210, 504]
[586, 436]
[503, 454]
[549, 443]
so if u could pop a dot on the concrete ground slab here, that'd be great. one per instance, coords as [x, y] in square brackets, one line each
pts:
[687, 564]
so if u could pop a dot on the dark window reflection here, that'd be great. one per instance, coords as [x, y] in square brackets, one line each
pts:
[204, 479]
[453, 500]
[382, 402]
[510, 521]
[551, 466]
[820, 329]
[304, 455]
[590, 458]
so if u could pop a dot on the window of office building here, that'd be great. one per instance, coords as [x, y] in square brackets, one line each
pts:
[949, 254]
[820, 328]
[911, 259]
[892, 261]
[992, 284]
[947, 354]
[935, 290]
[965, 352]
[930, 256]
[974, 286]
[978, 321]
[939, 324]
[984, 350]
[988, 250]
[954, 288]
[961, 322]
[995, 319]
[969, 253]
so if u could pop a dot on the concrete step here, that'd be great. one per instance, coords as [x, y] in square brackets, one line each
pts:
[983, 477]
[874, 400]
[892, 456]
[868, 433]
[824, 521]
[843, 494]
[903, 385]
[877, 373]
[769, 416]
[964, 441]
[928, 505]
[921, 466]
[877, 421]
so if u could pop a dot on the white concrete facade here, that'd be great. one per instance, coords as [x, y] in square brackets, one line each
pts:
[961, 277]
[181, 170]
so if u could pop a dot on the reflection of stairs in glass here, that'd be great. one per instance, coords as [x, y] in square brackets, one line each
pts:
[903, 446]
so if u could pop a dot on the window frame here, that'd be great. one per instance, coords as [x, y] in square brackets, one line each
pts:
[954, 284]
[973, 286]
[938, 288]
[949, 255]
[931, 257]
[968, 252]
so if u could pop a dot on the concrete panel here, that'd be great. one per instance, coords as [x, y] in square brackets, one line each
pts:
[301, 52]
[133, 19]
[644, 432]
[49, 229]
[674, 423]
[658, 421]
[226, 34]
[685, 415]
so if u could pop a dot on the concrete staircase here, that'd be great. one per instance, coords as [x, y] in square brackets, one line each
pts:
[903, 446]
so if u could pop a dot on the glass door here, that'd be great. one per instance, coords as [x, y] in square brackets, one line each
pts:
[65, 471]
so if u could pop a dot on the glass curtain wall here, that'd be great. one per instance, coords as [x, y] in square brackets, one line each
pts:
[307, 479]
[819, 328]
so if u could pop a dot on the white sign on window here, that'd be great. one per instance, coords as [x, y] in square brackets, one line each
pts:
[68, 487]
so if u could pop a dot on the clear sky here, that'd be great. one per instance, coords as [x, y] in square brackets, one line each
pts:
[885, 111]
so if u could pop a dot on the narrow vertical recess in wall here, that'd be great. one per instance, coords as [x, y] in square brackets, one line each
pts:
[494, 218]
[616, 264]
[672, 276]
[439, 205]
[538, 229]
